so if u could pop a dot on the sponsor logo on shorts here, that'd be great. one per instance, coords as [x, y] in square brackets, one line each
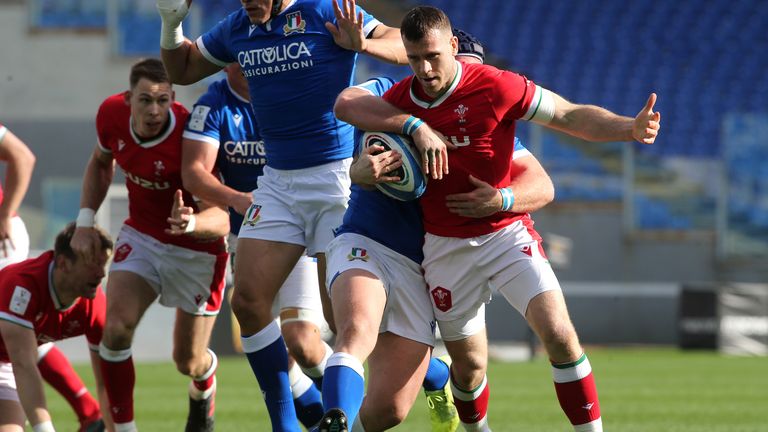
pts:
[526, 250]
[198, 299]
[252, 215]
[358, 254]
[122, 252]
[442, 298]
[294, 23]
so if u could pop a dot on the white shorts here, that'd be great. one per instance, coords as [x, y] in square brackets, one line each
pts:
[8, 383]
[301, 206]
[190, 280]
[19, 251]
[408, 312]
[301, 289]
[462, 274]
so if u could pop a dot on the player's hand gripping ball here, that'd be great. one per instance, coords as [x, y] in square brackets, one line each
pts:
[412, 183]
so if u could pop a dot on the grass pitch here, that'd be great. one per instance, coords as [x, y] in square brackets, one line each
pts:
[640, 389]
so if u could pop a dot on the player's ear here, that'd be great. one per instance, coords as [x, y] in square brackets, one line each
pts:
[127, 96]
[454, 45]
[173, 95]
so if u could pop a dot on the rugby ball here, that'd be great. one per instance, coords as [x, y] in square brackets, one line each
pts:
[412, 183]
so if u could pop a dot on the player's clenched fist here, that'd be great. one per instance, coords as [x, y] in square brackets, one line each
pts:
[172, 13]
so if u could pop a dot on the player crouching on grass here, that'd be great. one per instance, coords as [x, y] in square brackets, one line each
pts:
[52, 297]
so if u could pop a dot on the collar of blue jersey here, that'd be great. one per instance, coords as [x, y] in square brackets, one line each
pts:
[438, 100]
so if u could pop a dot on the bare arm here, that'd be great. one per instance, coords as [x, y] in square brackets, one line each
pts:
[593, 123]
[20, 161]
[186, 64]
[96, 180]
[209, 223]
[365, 111]
[531, 185]
[23, 353]
[385, 44]
[197, 162]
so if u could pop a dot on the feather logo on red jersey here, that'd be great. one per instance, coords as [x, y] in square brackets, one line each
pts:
[159, 167]
[461, 110]
[442, 298]
[122, 252]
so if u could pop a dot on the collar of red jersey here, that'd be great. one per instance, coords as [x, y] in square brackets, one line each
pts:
[447, 93]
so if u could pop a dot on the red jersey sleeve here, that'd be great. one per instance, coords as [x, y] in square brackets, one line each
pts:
[106, 121]
[514, 94]
[96, 316]
[19, 302]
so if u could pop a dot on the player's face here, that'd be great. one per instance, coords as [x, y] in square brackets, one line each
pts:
[432, 60]
[150, 103]
[86, 276]
[258, 10]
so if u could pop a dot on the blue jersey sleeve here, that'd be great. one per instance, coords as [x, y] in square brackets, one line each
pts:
[519, 150]
[377, 86]
[204, 122]
[215, 43]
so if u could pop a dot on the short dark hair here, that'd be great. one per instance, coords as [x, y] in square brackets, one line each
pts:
[64, 238]
[151, 69]
[421, 20]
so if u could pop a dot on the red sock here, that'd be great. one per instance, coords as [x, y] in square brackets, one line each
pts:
[472, 406]
[205, 381]
[57, 371]
[576, 391]
[119, 379]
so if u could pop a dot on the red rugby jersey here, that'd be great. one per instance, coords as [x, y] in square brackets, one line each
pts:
[27, 298]
[152, 170]
[477, 113]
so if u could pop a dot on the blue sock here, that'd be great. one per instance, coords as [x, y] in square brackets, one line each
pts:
[268, 357]
[437, 375]
[309, 407]
[344, 385]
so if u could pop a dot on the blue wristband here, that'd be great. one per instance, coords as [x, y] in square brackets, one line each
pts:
[411, 124]
[507, 199]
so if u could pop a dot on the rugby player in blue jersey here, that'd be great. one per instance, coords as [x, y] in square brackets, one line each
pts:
[222, 137]
[379, 296]
[297, 56]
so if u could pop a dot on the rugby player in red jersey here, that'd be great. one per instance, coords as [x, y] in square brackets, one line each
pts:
[52, 297]
[469, 256]
[141, 130]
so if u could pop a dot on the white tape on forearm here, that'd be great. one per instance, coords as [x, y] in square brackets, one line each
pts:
[86, 218]
[171, 37]
[190, 228]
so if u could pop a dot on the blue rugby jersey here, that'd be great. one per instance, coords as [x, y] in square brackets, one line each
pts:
[294, 71]
[225, 120]
[395, 224]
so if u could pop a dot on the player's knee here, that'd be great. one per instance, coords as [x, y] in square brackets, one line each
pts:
[302, 342]
[469, 369]
[387, 415]
[118, 334]
[187, 363]
[561, 341]
[247, 303]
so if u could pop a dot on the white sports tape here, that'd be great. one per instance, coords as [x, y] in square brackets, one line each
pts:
[542, 109]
